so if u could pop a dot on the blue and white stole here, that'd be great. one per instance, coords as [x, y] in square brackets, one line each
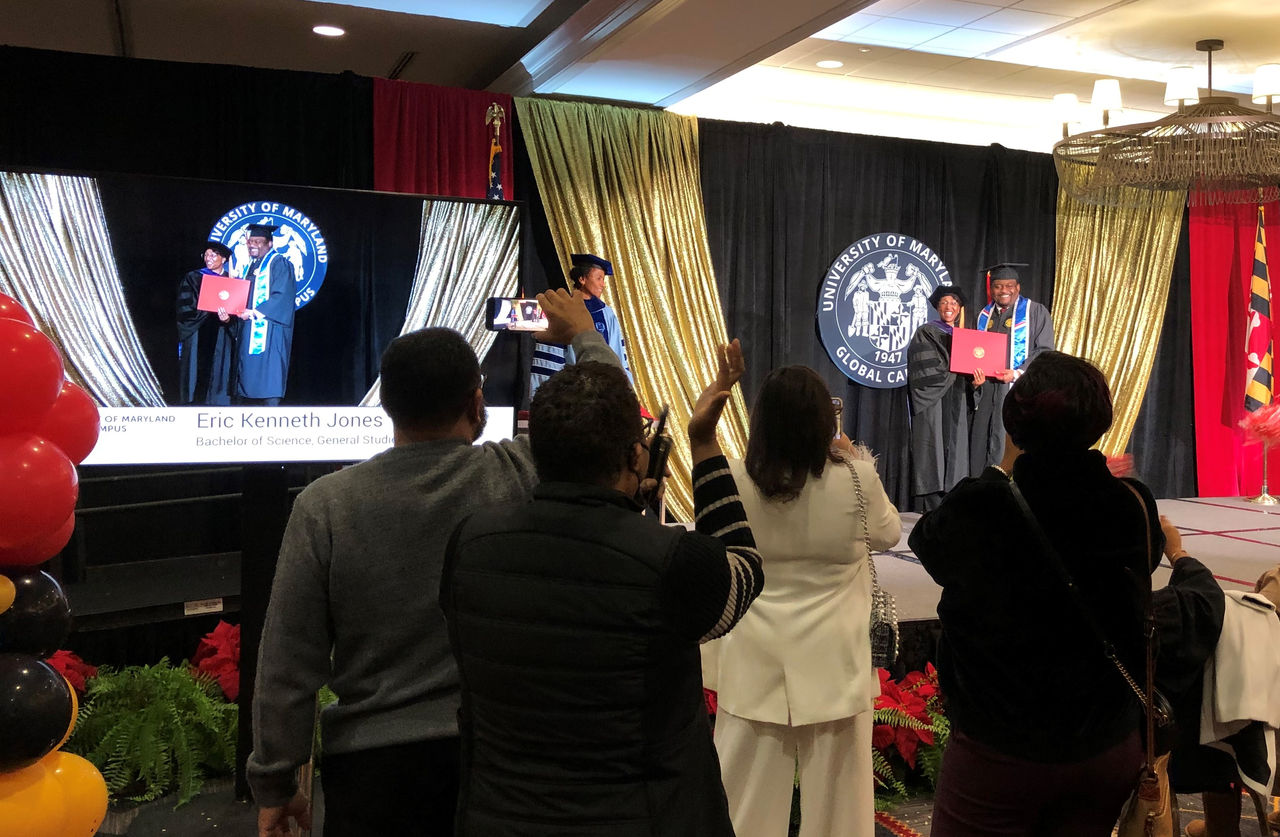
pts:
[1018, 335]
[261, 290]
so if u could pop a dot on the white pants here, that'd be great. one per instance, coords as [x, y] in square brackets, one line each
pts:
[758, 763]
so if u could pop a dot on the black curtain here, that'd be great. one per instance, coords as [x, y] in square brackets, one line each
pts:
[97, 113]
[782, 203]
[1163, 443]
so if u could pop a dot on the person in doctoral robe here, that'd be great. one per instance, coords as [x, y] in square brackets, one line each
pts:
[265, 340]
[587, 276]
[1030, 331]
[206, 340]
[941, 403]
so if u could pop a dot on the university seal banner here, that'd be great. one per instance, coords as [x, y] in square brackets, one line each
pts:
[873, 298]
[299, 240]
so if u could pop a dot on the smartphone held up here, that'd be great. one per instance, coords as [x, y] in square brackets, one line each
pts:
[514, 314]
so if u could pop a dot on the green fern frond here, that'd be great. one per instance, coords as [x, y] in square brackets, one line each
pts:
[153, 730]
[895, 717]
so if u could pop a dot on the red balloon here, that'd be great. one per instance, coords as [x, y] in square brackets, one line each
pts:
[30, 376]
[11, 310]
[72, 424]
[38, 488]
[39, 550]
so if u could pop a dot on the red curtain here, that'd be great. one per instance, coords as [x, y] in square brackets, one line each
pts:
[1222, 240]
[433, 140]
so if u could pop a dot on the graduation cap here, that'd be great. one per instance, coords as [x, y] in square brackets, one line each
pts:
[262, 230]
[217, 247]
[1004, 270]
[588, 260]
[947, 290]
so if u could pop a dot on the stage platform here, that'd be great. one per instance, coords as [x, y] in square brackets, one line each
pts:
[1234, 538]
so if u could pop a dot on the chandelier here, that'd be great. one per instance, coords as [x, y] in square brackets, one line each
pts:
[1219, 151]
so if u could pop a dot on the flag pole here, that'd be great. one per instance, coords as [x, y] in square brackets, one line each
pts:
[1259, 400]
[1264, 499]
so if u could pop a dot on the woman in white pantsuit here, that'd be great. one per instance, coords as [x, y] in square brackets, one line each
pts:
[794, 677]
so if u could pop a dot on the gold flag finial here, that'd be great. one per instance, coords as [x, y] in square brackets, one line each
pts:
[494, 117]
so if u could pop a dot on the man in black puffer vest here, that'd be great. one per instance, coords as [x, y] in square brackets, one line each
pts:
[576, 623]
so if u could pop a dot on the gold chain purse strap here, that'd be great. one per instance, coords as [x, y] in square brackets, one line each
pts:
[883, 605]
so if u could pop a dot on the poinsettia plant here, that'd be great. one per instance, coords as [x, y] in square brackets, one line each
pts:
[218, 656]
[910, 732]
[76, 670]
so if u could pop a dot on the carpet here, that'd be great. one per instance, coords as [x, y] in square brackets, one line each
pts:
[887, 826]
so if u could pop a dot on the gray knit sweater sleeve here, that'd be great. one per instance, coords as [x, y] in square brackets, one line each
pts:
[289, 677]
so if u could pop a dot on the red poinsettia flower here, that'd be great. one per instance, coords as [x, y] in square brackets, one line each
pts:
[70, 666]
[881, 736]
[218, 656]
[890, 695]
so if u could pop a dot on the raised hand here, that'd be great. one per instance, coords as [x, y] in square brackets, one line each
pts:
[567, 316]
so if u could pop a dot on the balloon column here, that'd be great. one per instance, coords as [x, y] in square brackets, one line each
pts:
[47, 426]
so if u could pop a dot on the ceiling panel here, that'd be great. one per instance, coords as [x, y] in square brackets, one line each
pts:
[1018, 22]
[968, 42]
[1067, 8]
[894, 32]
[947, 12]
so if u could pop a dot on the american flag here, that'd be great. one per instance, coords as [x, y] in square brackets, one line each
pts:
[1259, 346]
[495, 170]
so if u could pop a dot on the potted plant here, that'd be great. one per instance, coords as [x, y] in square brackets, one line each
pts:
[154, 730]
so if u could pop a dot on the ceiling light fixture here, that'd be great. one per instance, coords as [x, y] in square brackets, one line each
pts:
[1218, 150]
[1106, 98]
[1067, 107]
[1266, 85]
[329, 31]
[1181, 88]
[830, 64]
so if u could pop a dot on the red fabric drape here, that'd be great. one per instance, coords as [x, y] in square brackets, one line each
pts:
[1221, 265]
[433, 140]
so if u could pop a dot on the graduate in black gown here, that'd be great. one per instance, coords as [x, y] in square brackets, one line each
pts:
[265, 339]
[206, 340]
[941, 403]
[1030, 331]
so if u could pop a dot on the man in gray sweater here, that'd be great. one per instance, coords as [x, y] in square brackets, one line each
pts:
[354, 603]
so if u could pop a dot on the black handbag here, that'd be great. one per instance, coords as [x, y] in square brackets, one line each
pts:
[884, 609]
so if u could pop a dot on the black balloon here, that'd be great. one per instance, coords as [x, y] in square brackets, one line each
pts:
[35, 710]
[40, 618]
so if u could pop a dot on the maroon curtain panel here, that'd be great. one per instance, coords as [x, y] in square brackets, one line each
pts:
[434, 141]
[1222, 237]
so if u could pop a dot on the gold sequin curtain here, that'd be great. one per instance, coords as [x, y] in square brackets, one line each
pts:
[1114, 266]
[624, 183]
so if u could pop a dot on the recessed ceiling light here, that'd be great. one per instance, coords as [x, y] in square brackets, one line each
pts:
[329, 31]
[830, 65]
[864, 49]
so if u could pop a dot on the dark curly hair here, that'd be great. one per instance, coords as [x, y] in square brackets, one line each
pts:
[582, 424]
[792, 423]
[429, 377]
[1060, 401]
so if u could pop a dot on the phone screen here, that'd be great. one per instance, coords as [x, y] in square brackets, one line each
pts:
[514, 314]
[838, 403]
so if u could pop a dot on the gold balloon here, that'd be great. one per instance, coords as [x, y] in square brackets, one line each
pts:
[7, 593]
[75, 712]
[32, 803]
[85, 791]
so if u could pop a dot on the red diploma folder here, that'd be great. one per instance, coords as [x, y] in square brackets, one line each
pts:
[223, 292]
[972, 349]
